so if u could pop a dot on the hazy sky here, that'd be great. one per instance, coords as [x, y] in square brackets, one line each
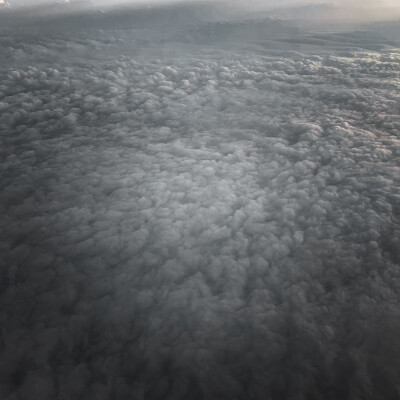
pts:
[350, 11]
[354, 3]
[360, 5]
[343, 11]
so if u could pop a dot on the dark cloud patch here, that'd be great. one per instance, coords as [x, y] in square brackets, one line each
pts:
[207, 225]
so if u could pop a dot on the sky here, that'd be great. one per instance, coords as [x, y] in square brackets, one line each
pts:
[273, 3]
[354, 11]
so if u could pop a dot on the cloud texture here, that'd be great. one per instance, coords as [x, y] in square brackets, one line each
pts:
[206, 225]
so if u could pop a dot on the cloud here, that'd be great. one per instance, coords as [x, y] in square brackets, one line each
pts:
[194, 221]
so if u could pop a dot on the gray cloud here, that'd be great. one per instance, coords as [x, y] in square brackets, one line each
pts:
[190, 221]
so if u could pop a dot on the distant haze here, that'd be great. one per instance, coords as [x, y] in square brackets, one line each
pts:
[335, 10]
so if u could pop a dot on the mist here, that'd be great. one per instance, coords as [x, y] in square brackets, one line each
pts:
[355, 11]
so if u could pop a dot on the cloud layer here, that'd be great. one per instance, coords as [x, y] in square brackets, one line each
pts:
[202, 224]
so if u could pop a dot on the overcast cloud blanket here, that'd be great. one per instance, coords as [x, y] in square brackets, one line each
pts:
[204, 224]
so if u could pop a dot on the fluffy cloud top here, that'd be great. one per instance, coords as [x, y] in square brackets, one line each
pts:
[186, 221]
